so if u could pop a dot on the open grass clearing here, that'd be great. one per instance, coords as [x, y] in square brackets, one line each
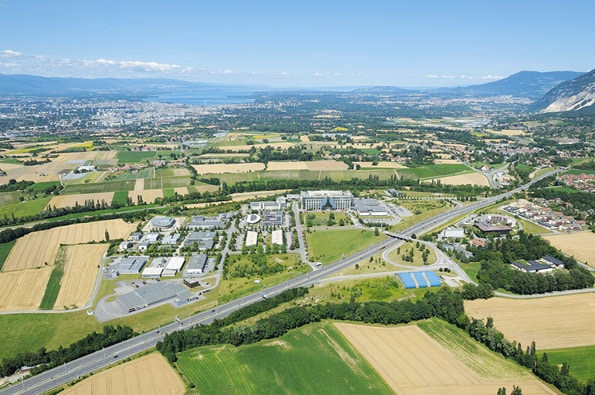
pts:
[552, 322]
[4, 251]
[321, 218]
[9, 198]
[328, 246]
[403, 252]
[412, 362]
[578, 244]
[24, 209]
[135, 156]
[580, 359]
[421, 210]
[312, 359]
[52, 287]
[149, 374]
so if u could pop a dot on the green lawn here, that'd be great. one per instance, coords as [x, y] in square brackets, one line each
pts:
[315, 359]
[110, 186]
[431, 171]
[23, 209]
[120, 197]
[421, 210]
[471, 268]
[4, 251]
[328, 246]
[580, 359]
[320, 218]
[40, 186]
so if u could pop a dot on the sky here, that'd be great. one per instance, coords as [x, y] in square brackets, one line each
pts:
[415, 43]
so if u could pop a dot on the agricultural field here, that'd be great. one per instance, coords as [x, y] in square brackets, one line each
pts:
[39, 249]
[23, 289]
[580, 359]
[381, 165]
[465, 179]
[434, 171]
[135, 156]
[579, 244]
[220, 168]
[150, 374]
[283, 365]
[147, 195]
[81, 268]
[74, 200]
[315, 165]
[328, 246]
[413, 362]
[9, 198]
[552, 322]
[24, 209]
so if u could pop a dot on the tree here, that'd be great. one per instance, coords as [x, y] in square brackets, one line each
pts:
[106, 235]
[516, 390]
[501, 391]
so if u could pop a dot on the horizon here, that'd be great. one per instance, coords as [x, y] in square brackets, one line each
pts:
[308, 45]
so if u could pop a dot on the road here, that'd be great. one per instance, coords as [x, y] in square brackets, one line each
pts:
[100, 359]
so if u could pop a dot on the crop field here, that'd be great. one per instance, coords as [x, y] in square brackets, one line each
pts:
[108, 186]
[38, 248]
[166, 182]
[579, 244]
[147, 195]
[135, 156]
[74, 200]
[203, 188]
[121, 198]
[150, 374]
[552, 322]
[465, 179]
[329, 246]
[80, 273]
[412, 362]
[338, 175]
[313, 165]
[144, 173]
[9, 198]
[314, 359]
[220, 168]
[23, 289]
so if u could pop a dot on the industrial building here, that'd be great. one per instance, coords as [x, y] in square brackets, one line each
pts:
[196, 265]
[163, 222]
[366, 207]
[153, 294]
[277, 237]
[322, 200]
[251, 238]
[202, 240]
[130, 265]
[202, 222]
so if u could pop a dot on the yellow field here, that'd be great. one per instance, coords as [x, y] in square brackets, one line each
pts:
[411, 362]
[181, 172]
[382, 165]
[206, 188]
[304, 139]
[72, 200]
[552, 322]
[40, 248]
[80, 273]
[221, 168]
[579, 244]
[147, 375]
[464, 179]
[181, 191]
[274, 144]
[139, 184]
[316, 165]
[509, 132]
[446, 161]
[23, 289]
[148, 195]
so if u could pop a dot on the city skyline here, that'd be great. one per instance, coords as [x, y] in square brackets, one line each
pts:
[310, 44]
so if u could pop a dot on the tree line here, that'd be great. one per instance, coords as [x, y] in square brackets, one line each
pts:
[44, 360]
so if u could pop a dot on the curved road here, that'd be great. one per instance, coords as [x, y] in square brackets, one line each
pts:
[60, 375]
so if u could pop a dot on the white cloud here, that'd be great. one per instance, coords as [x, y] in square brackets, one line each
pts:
[10, 53]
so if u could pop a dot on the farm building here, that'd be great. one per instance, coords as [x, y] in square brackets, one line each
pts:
[196, 265]
[130, 265]
[251, 238]
[321, 200]
[277, 237]
[163, 222]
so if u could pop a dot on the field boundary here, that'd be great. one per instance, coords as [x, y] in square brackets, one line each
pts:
[52, 288]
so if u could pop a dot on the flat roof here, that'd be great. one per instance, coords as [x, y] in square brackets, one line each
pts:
[326, 193]
[175, 263]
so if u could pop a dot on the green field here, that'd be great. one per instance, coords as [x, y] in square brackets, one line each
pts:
[579, 171]
[120, 197]
[110, 186]
[328, 246]
[336, 175]
[4, 251]
[40, 186]
[53, 287]
[432, 171]
[23, 209]
[9, 198]
[124, 176]
[471, 268]
[321, 218]
[422, 210]
[314, 359]
[580, 359]
[135, 156]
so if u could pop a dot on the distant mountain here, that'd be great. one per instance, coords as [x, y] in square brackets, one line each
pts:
[529, 84]
[23, 85]
[574, 95]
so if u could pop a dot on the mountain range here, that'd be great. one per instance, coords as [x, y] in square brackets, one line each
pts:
[551, 91]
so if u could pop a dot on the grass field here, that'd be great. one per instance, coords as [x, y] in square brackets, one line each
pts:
[135, 156]
[422, 210]
[110, 186]
[328, 246]
[471, 269]
[433, 171]
[121, 198]
[9, 198]
[435, 357]
[53, 286]
[4, 251]
[580, 359]
[24, 209]
[314, 359]
[320, 218]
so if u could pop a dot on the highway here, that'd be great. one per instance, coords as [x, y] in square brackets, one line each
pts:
[110, 355]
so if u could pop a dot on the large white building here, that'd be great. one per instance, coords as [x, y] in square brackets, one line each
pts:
[321, 200]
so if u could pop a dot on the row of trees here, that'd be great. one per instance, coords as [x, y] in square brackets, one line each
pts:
[445, 304]
[43, 360]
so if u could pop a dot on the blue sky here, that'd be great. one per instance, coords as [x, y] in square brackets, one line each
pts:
[297, 43]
